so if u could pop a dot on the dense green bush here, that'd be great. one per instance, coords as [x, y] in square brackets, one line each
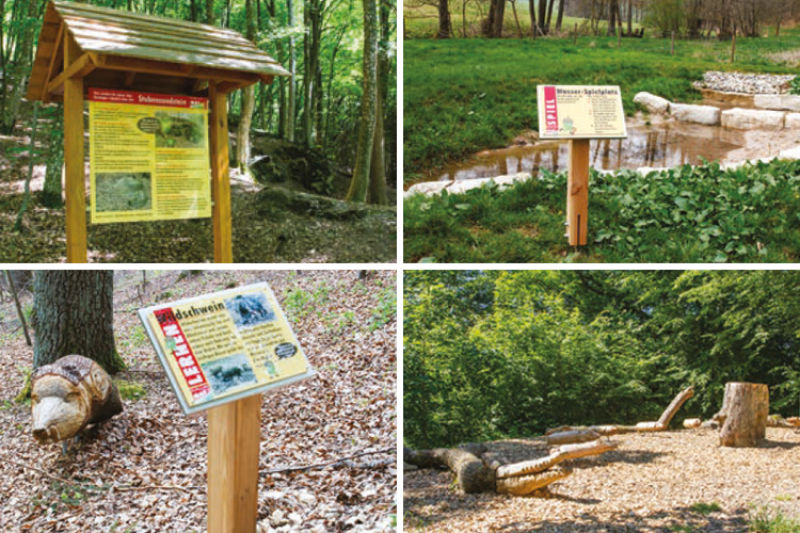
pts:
[491, 354]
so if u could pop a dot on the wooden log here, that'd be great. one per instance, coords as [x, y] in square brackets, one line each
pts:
[571, 437]
[70, 394]
[677, 403]
[604, 430]
[644, 427]
[666, 417]
[746, 407]
[692, 423]
[472, 475]
[777, 421]
[529, 467]
[575, 451]
[524, 485]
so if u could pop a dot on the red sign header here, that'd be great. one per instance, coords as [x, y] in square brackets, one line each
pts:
[182, 352]
[160, 100]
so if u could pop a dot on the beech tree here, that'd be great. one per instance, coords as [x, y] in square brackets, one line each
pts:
[369, 105]
[74, 314]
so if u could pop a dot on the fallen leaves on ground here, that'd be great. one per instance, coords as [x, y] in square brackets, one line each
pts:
[145, 470]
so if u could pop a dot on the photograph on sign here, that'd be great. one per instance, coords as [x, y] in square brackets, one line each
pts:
[149, 157]
[580, 112]
[225, 346]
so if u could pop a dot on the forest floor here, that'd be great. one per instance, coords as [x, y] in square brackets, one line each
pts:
[145, 469]
[659, 482]
[296, 228]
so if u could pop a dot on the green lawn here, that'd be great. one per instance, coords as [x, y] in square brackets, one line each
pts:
[686, 215]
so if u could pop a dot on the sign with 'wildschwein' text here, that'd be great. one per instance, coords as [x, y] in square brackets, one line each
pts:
[225, 346]
[580, 112]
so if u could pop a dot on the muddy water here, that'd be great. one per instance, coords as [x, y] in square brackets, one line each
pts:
[663, 144]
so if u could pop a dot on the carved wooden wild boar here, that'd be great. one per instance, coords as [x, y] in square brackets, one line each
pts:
[70, 394]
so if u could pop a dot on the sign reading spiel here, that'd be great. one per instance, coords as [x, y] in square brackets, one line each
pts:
[580, 112]
[148, 156]
[225, 346]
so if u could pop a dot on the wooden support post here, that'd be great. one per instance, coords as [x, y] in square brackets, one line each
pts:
[75, 170]
[575, 40]
[220, 175]
[733, 46]
[234, 434]
[672, 47]
[578, 191]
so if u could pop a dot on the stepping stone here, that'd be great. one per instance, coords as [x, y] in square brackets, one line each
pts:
[753, 119]
[698, 114]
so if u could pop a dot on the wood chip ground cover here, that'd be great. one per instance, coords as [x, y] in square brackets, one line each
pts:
[145, 470]
[652, 483]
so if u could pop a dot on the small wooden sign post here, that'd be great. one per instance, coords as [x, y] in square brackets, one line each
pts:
[579, 114]
[83, 47]
[220, 353]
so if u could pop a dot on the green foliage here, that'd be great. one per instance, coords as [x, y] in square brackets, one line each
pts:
[684, 215]
[705, 508]
[764, 520]
[385, 309]
[130, 390]
[489, 354]
[794, 86]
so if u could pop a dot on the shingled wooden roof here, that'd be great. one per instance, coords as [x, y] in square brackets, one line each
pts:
[123, 50]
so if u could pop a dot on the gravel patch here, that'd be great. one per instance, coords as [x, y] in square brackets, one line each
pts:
[737, 82]
[649, 484]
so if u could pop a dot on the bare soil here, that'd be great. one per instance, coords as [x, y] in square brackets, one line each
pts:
[649, 484]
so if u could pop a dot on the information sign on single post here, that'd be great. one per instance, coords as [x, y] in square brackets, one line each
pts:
[225, 346]
[220, 352]
[149, 156]
[578, 114]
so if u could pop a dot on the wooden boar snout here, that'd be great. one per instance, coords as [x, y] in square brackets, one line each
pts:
[70, 394]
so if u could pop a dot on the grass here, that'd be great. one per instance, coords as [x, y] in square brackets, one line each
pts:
[766, 521]
[705, 508]
[466, 95]
[685, 215]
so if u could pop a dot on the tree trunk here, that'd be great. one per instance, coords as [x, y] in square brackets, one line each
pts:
[560, 15]
[445, 28]
[210, 12]
[549, 15]
[542, 15]
[74, 314]
[20, 70]
[532, 11]
[369, 104]
[472, 475]
[292, 97]
[243, 147]
[499, 18]
[745, 410]
[377, 178]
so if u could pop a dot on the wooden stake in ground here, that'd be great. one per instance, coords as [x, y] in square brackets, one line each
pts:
[744, 415]
[578, 192]
[234, 435]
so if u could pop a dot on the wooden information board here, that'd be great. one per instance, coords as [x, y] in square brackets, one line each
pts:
[220, 352]
[578, 113]
[149, 156]
[224, 346]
